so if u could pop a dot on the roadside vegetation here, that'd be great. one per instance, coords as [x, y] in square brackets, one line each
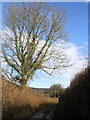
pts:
[23, 102]
[74, 100]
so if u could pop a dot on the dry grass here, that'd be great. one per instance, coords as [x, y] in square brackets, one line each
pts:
[22, 103]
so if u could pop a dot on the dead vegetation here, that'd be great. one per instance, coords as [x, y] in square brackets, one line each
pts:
[22, 103]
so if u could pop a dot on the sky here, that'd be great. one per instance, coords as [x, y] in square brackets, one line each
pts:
[77, 26]
[76, 47]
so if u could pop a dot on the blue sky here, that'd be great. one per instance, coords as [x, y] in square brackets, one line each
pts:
[77, 18]
[77, 26]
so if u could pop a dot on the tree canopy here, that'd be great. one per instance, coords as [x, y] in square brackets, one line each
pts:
[29, 37]
[55, 90]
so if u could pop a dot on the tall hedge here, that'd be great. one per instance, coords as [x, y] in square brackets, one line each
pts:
[74, 103]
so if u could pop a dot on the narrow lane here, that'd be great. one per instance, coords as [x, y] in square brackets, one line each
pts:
[45, 113]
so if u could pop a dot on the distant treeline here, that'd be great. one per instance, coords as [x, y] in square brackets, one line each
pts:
[74, 101]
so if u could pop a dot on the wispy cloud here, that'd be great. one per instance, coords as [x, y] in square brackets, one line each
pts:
[77, 58]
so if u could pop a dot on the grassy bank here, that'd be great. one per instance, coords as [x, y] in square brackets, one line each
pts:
[74, 102]
[22, 103]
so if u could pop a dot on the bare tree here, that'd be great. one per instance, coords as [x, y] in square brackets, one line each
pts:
[31, 31]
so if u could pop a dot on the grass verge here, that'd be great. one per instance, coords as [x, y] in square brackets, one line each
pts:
[22, 103]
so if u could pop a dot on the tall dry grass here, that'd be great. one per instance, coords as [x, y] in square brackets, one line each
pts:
[22, 103]
[74, 102]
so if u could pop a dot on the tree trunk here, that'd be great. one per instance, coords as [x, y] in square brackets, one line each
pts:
[23, 82]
